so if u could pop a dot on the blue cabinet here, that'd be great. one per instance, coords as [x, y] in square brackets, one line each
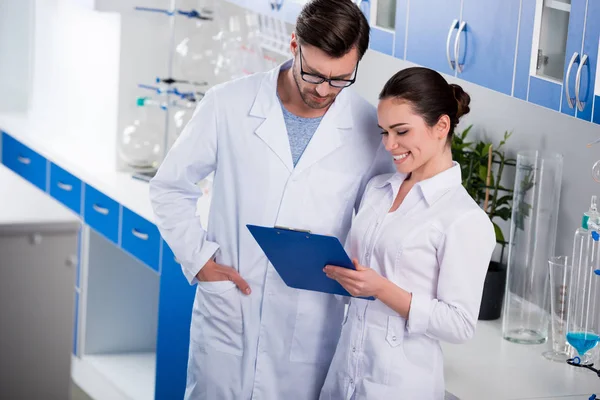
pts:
[487, 57]
[568, 48]
[174, 318]
[24, 161]
[65, 188]
[141, 239]
[102, 213]
[573, 55]
[432, 29]
[586, 73]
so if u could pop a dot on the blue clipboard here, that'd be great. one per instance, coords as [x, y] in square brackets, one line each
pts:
[300, 256]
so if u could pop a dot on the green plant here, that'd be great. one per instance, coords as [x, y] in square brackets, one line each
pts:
[480, 181]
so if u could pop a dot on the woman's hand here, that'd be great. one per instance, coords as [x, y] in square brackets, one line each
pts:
[362, 282]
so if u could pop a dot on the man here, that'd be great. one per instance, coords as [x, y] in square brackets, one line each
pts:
[289, 147]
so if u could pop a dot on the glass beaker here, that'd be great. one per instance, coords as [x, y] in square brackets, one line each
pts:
[583, 330]
[560, 272]
[532, 240]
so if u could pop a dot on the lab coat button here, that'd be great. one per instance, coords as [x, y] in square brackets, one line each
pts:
[351, 381]
[354, 349]
[393, 338]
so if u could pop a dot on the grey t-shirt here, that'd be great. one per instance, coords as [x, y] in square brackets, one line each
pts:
[300, 131]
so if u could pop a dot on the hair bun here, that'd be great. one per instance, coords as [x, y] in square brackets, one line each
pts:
[462, 99]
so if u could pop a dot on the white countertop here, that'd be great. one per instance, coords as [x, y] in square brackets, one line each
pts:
[489, 367]
[84, 159]
[21, 203]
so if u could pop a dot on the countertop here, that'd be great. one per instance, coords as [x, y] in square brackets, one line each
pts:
[489, 367]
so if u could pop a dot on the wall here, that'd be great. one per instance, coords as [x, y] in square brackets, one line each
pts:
[534, 127]
[16, 40]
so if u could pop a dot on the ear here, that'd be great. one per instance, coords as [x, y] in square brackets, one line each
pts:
[442, 127]
[294, 44]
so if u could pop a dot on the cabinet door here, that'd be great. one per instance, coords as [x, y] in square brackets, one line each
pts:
[574, 45]
[36, 313]
[429, 24]
[490, 43]
[587, 69]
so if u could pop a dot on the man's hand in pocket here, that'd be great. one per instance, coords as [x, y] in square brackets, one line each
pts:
[213, 272]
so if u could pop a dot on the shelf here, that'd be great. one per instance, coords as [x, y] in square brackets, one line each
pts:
[558, 5]
[116, 376]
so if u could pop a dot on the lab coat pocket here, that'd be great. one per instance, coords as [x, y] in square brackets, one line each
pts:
[317, 329]
[219, 325]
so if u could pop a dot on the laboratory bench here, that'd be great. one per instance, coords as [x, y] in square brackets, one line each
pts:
[133, 305]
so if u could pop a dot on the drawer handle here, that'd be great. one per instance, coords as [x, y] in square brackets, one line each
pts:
[64, 186]
[24, 160]
[100, 210]
[139, 235]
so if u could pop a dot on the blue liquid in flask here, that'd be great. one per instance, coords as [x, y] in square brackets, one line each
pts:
[582, 341]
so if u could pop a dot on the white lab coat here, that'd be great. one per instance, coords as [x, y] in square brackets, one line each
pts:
[278, 342]
[437, 246]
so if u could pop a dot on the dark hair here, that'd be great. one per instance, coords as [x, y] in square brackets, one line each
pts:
[429, 95]
[334, 26]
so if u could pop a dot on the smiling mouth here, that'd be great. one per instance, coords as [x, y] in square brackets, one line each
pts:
[401, 156]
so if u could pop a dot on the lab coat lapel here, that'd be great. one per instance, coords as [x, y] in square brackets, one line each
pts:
[272, 131]
[330, 134]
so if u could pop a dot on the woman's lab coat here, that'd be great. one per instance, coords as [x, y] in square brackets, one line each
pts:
[437, 245]
[278, 342]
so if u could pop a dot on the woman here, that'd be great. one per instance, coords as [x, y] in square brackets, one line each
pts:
[421, 247]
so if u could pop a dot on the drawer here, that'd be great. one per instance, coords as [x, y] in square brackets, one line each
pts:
[24, 161]
[65, 188]
[141, 238]
[101, 213]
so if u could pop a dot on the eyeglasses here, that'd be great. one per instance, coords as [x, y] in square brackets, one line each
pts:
[318, 79]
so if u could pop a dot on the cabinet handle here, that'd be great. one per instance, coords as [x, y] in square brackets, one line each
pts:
[452, 27]
[139, 235]
[457, 46]
[24, 160]
[64, 186]
[567, 76]
[578, 102]
[100, 210]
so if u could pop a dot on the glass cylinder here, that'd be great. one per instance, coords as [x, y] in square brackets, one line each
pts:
[532, 240]
[560, 272]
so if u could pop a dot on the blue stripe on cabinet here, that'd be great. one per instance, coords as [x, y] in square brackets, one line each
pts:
[544, 93]
[400, 37]
[75, 323]
[590, 48]
[382, 41]
[597, 110]
[524, 49]
[574, 42]
[174, 318]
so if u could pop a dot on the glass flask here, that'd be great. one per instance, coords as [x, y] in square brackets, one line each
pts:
[141, 142]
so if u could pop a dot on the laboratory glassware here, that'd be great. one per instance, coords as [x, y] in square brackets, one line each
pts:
[560, 270]
[583, 330]
[140, 145]
[532, 240]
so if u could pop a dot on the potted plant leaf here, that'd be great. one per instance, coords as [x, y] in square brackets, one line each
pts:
[482, 167]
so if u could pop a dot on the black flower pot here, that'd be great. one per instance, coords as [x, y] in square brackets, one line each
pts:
[493, 292]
